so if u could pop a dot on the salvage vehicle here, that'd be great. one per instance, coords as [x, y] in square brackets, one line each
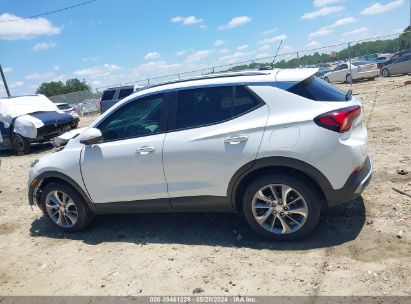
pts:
[359, 70]
[402, 65]
[277, 146]
[30, 119]
[72, 110]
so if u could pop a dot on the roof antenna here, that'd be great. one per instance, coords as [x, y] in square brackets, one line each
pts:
[275, 57]
[4, 81]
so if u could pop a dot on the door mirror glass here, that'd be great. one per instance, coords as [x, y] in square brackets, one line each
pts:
[91, 136]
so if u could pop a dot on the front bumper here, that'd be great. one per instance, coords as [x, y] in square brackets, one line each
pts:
[353, 188]
[49, 131]
[33, 185]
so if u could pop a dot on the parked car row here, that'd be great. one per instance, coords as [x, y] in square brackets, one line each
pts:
[348, 72]
[368, 67]
[87, 107]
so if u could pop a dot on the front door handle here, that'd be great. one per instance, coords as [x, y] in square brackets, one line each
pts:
[145, 150]
[234, 140]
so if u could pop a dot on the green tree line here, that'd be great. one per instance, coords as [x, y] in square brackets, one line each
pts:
[369, 47]
[58, 87]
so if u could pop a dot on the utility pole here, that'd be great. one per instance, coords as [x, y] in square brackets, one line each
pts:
[4, 81]
[277, 52]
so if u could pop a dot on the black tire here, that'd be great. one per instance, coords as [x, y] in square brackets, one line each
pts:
[326, 79]
[348, 78]
[385, 73]
[74, 124]
[84, 215]
[304, 189]
[20, 144]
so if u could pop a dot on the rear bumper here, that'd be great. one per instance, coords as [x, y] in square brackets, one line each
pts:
[353, 188]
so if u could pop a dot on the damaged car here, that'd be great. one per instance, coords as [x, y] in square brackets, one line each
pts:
[30, 119]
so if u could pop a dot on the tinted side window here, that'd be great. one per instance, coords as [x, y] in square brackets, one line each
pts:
[243, 101]
[404, 58]
[140, 117]
[203, 106]
[344, 66]
[317, 89]
[125, 92]
[108, 95]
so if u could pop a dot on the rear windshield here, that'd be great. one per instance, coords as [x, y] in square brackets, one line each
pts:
[108, 95]
[125, 92]
[317, 89]
[64, 106]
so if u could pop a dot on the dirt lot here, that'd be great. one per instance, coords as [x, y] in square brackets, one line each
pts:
[354, 251]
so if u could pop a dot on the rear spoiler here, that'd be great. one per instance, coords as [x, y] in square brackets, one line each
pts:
[294, 75]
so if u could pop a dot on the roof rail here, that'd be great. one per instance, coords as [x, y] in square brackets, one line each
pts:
[210, 76]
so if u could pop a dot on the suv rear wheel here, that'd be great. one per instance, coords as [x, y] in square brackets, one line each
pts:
[64, 207]
[281, 207]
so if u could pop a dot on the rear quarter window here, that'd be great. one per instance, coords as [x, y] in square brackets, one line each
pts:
[108, 95]
[317, 89]
[125, 92]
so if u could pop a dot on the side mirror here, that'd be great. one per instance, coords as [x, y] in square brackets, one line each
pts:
[91, 136]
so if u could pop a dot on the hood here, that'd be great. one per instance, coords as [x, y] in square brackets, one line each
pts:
[49, 118]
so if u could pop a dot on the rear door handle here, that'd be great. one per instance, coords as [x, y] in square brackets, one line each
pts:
[234, 140]
[145, 150]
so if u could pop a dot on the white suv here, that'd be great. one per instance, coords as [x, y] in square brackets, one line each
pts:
[276, 146]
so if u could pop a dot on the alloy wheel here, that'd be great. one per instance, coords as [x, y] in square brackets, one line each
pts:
[279, 208]
[61, 209]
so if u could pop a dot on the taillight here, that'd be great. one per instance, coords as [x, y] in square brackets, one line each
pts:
[339, 120]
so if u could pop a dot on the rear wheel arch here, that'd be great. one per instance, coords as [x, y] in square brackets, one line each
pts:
[277, 165]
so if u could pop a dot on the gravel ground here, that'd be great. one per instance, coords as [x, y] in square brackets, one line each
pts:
[361, 248]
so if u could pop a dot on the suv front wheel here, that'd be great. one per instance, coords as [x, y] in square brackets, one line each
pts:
[64, 207]
[281, 207]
